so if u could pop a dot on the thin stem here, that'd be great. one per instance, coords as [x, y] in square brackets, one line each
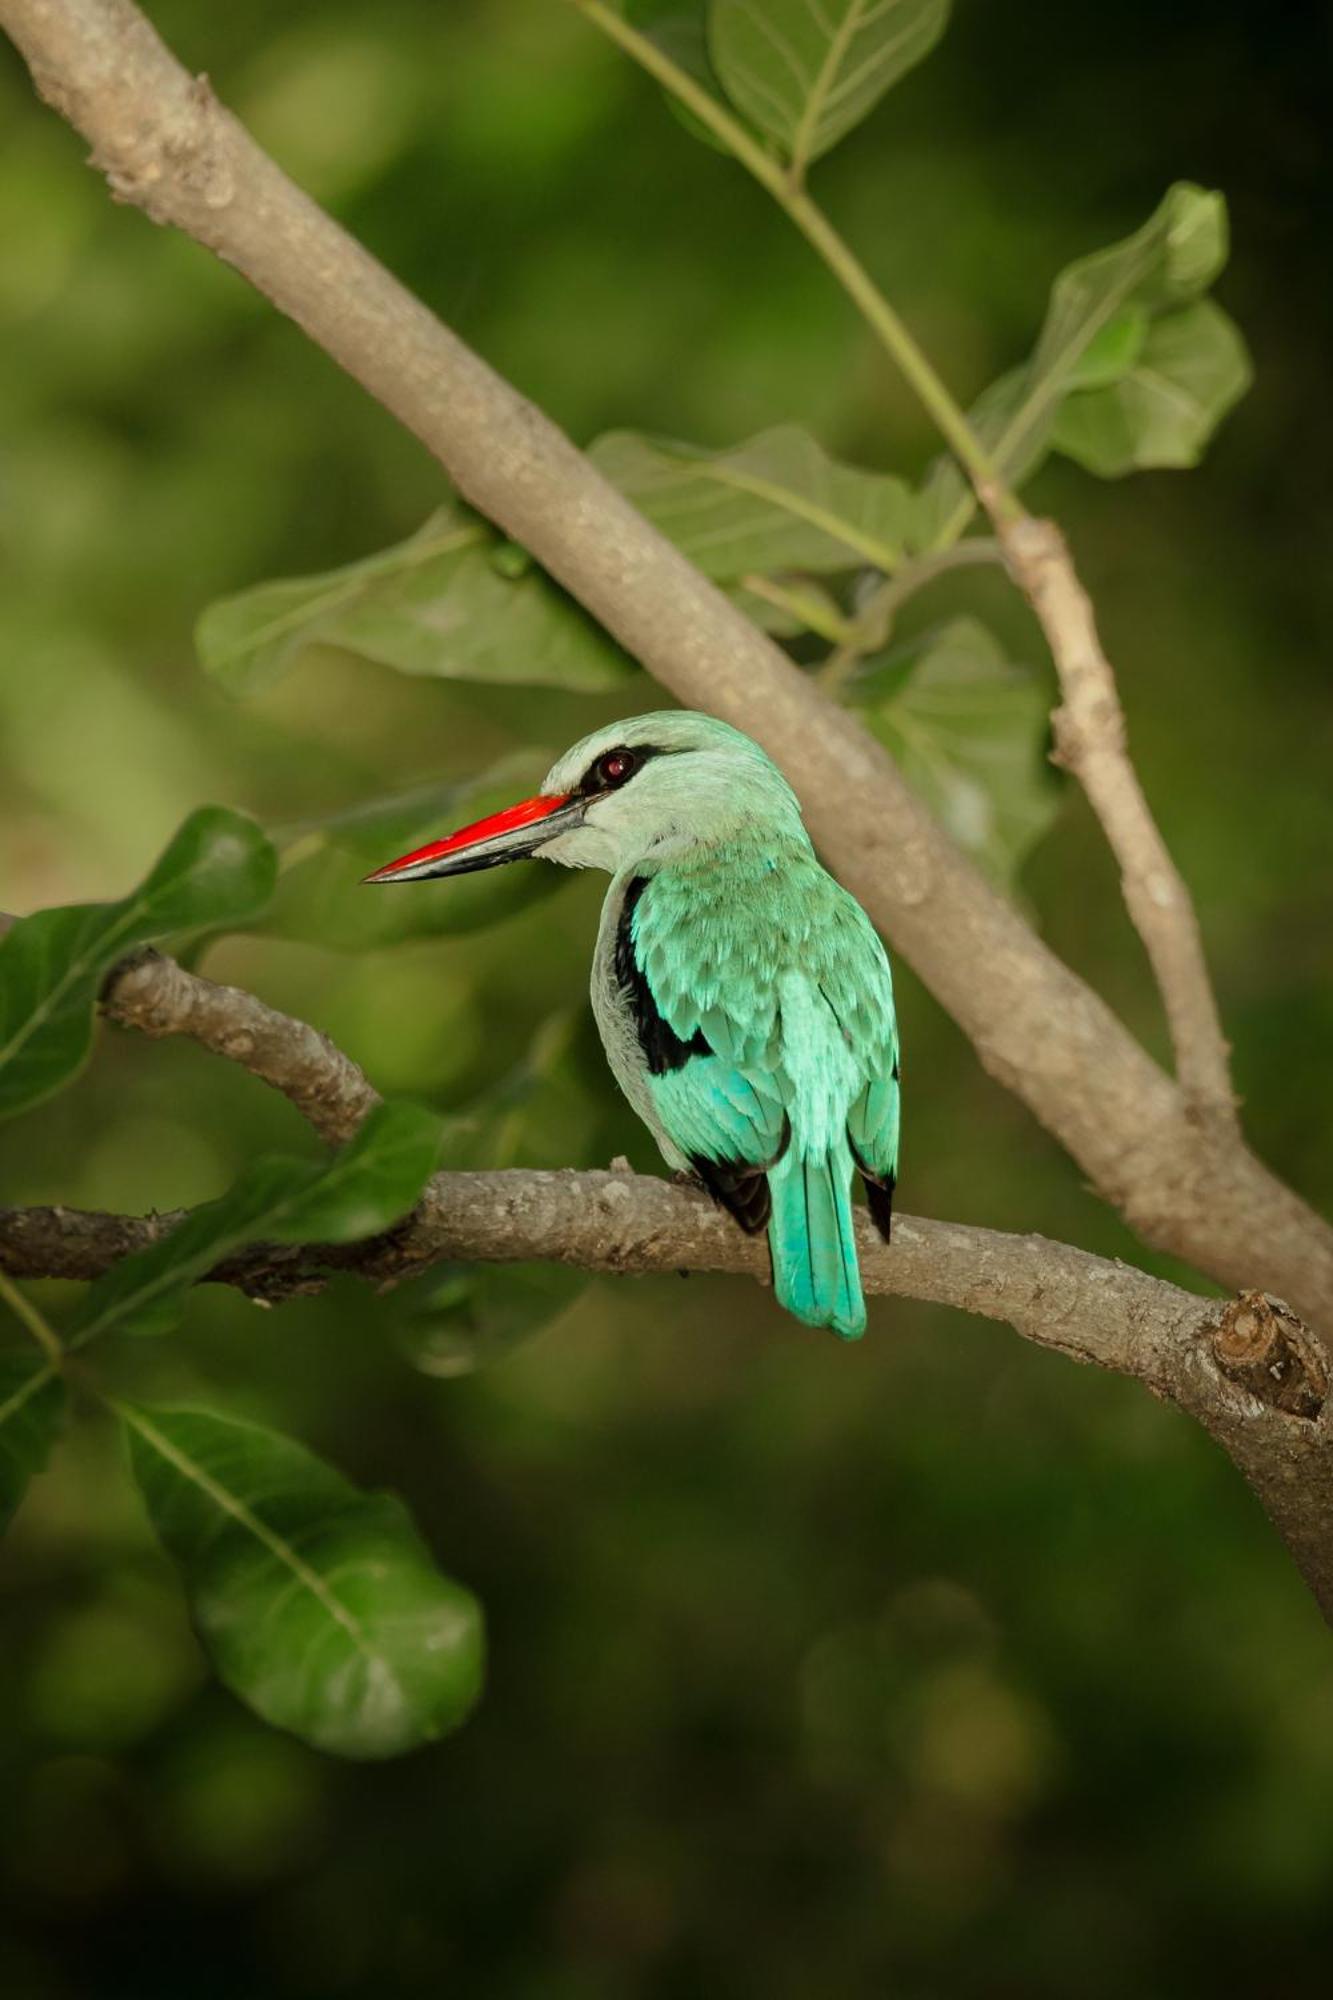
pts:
[824, 239]
[873, 624]
[813, 612]
[26, 1312]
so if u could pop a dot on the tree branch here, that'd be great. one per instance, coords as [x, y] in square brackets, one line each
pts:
[166, 144]
[1091, 742]
[1246, 1369]
[152, 993]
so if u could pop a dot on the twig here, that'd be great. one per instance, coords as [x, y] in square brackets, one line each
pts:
[1091, 742]
[36, 1323]
[870, 630]
[152, 993]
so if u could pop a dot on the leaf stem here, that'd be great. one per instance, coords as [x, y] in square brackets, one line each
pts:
[788, 191]
[26, 1312]
[873, 623]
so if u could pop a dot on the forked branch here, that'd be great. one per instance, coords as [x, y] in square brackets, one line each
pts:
[1091, 741]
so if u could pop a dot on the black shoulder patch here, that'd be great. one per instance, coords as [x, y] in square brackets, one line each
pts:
[662, 1047]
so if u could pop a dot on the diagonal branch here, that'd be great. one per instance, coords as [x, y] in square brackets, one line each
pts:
[1091, 742]
[166, 144]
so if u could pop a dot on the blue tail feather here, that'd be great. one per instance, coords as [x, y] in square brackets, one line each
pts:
[815, 1273]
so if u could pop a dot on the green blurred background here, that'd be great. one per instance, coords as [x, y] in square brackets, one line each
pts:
[935, 1667]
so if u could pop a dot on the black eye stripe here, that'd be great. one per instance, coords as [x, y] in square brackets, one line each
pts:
[597, 779]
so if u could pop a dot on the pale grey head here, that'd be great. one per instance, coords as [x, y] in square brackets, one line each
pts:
[633, 793]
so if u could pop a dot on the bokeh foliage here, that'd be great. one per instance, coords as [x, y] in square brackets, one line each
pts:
[955, 1676]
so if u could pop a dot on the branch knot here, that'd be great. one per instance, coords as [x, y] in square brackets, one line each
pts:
[1261, 1346]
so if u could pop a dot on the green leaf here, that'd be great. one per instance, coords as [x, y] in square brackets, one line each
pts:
[32, 1404]
[945, 500]
[1111, 352]
[1161, 411]
[681, 32]
[807, 71]
[468, 1316]
[322, 899]
[451, 603]
[969, 732]
[1168, 263]
[319, 1606]
[786, 605]
[364, 1188]
[219, 869]
[777, 502]
[1112, 316]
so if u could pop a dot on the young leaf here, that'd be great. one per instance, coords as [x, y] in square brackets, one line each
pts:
[218, 869]
[364, 1188]
[807, 71]
[321, 898]
[969, 732]
[1168, 263]
[32, 1403]
[777, 502]
[449, 603]
[319, 1606]
[1161, 410]
[1126, 334]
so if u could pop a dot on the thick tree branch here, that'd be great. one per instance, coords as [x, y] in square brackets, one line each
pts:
[1091, 741]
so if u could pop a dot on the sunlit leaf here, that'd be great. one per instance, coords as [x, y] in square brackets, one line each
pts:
[777, 502]
[807, 71]
[363, 1188]
[218, 869]
[320, 1606]
[32, 1404]
[449, 603]
[322, 899]
[1161, 411]
[969, 732]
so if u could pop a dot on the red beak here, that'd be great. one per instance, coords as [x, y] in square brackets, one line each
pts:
[511, 835]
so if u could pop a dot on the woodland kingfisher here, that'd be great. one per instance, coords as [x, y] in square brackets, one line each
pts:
[743, 998]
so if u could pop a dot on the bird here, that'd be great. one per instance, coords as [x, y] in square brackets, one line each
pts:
[743, 997]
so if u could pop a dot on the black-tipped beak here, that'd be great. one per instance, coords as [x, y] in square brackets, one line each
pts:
[511, 835]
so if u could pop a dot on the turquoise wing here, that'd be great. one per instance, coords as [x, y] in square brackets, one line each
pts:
[859, 988]
[713, 1080]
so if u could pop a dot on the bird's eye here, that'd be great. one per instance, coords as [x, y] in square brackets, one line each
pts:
[616, 766]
